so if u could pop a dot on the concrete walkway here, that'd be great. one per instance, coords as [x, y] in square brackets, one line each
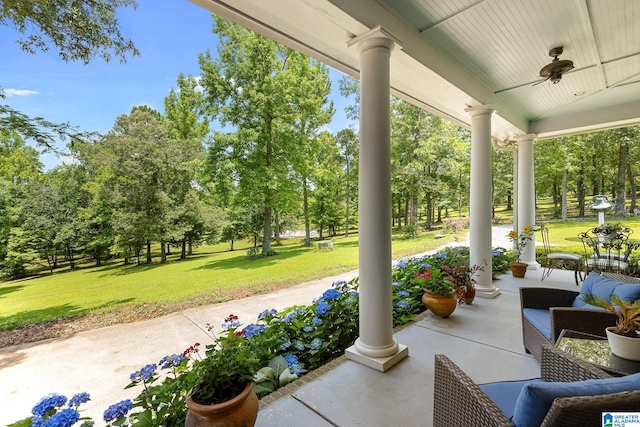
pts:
[100, 361]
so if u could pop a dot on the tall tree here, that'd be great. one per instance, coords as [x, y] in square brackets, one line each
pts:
[260, 87]
[347, 141]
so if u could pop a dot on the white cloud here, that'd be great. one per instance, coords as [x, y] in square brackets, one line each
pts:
[19, 92]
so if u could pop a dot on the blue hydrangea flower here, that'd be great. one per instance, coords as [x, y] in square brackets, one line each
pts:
[144, 373]
[322, 308]
[426, 265]
[78, 399]
[298, 345]
[295, 369]
[316, 343]
[229, 325]
[47, 403]
[354, 294]
[117, 410]
[291, 359]
[403, 294]
[401, 264]
[301, 310]
[403, 304]
[338, 283]
[285, 345]
[317, 321]
[65, 418]
[440, 255]
[330, 294]
[307, 328]
[291, 315]
[267, 313]
[253, 329]
[495, 253]
[171, 361]
[396, 283]
[36, 421]
[500, 248]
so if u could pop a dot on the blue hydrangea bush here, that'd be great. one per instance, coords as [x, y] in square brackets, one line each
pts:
[283, 345]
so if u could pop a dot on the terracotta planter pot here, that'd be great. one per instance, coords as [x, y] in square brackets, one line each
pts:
[241, 411]
[469, 295]
[518, 269]
[624, 347]
[439, 305]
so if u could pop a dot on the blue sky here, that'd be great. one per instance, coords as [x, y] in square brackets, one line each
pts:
[169, 35]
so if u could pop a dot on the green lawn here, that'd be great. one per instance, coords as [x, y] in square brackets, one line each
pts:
[213, 274]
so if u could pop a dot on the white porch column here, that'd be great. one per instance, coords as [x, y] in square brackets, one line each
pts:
[516, 226]
[375, 346]
[526, 196]
[480, 199]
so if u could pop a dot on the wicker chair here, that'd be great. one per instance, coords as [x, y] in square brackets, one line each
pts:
[563, 315]
[459, 402]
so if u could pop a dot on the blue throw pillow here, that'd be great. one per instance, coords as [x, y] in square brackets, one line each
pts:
[600, 286]
[628, 291]
[536, 397]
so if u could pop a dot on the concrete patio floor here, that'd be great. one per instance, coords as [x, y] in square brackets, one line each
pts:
[484, 339]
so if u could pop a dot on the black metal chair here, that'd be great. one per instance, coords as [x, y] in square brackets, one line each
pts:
[607, 250]
[566, 259]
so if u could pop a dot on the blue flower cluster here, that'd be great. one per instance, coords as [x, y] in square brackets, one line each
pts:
[317, 321]
[403, 294]
[289, 316]
[47, 403]
[403, 304]
[316, 343]
[117, 410]
[401, 264]
[330, 294]
[298, 345]
[425, 265]
[396, 284]
[440, 255]
[322, 308]
[171, 361]
[78, 399]
[144, 374]
[285, 345]
[293, 363]
[253, 329]
[65, 418]
[354, 294]
[229, 325]
[338, 283]
[267, 313]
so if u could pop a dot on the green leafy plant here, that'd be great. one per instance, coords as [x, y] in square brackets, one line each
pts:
[434, 280]
[277, 374]
[628, 313]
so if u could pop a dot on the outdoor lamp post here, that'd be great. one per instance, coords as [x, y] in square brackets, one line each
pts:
[601, 204]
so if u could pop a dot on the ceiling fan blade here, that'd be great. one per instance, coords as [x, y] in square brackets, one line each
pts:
[541, 81]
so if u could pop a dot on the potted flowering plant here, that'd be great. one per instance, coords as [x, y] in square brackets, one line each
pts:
[520, 240]
[224, 380]
[624, 338]
[439, 289]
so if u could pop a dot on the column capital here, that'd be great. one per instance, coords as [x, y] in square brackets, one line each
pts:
[529, 137]
[375, 37]
[480, 110]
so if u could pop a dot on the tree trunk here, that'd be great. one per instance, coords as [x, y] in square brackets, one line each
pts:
[168, 249]
[305, 208]
[580, 191]
[190, 246]
[621, 196]
[163, 252]
[429, 211]
[70, 255]
[98, 255]
[632, 188]
[183, 250]
[414, 204]
[276, 233]
[149, 252]
[565, 175]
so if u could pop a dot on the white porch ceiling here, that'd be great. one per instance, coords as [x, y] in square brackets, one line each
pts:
[461, 53]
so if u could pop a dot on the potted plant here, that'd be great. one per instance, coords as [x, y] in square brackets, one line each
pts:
[518, 268]
[439, 290]
[624, 338]
[224, 381]
[608, 231]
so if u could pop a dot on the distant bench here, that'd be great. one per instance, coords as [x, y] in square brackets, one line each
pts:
[325, 245]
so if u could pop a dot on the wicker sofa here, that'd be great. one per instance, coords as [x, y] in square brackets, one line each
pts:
[458, 401]
[546, 312]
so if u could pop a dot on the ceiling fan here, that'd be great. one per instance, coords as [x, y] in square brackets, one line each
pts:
[556, 68]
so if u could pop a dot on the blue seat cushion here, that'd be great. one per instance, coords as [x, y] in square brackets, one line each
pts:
[505, 394]
[536, 397]
[604, 287]
[539, 319]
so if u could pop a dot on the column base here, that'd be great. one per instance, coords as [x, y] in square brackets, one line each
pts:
[381, 364]
[533, 265]
[487, 293]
